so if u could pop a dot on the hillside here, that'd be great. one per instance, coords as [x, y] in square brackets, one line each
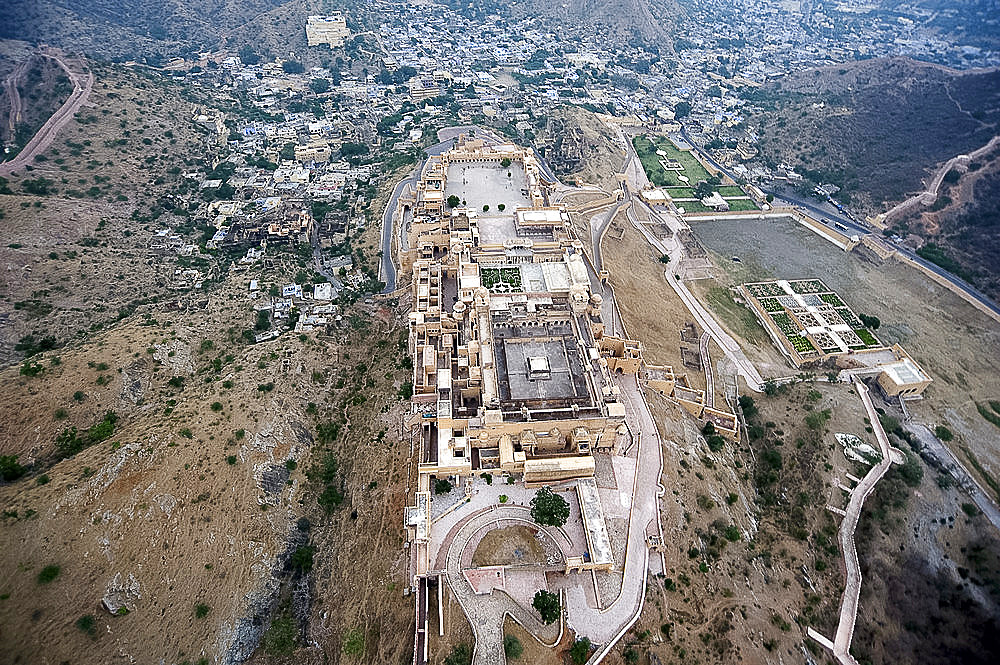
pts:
[615, 22]
[964, 223]
[146, 30]
[876, 128]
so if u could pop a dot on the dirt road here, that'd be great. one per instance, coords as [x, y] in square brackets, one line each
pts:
[10, 85]
[83, 83]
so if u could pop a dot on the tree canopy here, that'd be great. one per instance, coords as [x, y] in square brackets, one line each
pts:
[549, 508]
[547, 604]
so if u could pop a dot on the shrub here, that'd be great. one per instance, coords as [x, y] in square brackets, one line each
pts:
[231, 460]
[354, 642]
[201, 610]
[512, 647]
[48, 574]
[281, 636]
[460, 654]
[87, 624]
[302, 558]
[186, 432]
[943, 433]
[10, 470]
[216, 406]
[579, 651]
[547, 605]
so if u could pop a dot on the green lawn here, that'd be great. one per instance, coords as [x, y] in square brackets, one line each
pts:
[694, 206]
[680, 192]
[742, 204]
[731, 190]
[646, 149]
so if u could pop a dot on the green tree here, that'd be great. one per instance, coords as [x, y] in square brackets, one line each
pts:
[48, 574]
[319, 86]
[292, 67]
[943, 433]
[549, 508]
[453, 201]
[871, 322]
[505, 162]
[302, 558]
[248, 56]
[682, 110]
[579, 651]
[287, 151]
[547, 605]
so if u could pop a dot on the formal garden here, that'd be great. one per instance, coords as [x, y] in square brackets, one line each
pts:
[501, 280]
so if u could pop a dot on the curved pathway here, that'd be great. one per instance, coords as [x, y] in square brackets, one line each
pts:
[83, 83]
[705, 319]
[606, 626]
[486, 613]
[841, 645]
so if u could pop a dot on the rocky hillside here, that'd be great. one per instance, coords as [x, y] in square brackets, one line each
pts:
[876, 128]
[146, 30]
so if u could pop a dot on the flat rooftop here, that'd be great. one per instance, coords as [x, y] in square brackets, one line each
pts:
[598, 541]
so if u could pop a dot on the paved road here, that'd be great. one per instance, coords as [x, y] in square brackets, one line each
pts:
[387, 268]
[965, 480]
[597, 230]
[83, 83]
[606, 626]
[704, 318]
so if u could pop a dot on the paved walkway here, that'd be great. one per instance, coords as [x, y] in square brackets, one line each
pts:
[606, 626]
[841, 645]
[486, 613]
[706, 364]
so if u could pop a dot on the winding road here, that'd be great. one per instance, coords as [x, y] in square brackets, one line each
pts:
[83, 83]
